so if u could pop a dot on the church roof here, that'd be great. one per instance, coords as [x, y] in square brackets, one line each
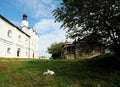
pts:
[13, 25]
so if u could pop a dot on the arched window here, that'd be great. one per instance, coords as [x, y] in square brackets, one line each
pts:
[19, 38]
[26, 42]
[9, 34]
[9, 50]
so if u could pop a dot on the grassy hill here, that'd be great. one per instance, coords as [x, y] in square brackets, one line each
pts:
[102, 71]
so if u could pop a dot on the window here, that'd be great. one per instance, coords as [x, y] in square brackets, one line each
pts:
[19, 38]
[9, 33]
[9, 50]
[26, 42]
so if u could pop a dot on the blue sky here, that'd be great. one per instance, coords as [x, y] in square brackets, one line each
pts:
[39, 17]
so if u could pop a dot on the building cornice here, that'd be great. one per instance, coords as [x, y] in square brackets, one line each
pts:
[6, 41]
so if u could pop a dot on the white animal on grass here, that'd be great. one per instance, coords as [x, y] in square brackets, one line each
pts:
[45, 73]
[49, 72]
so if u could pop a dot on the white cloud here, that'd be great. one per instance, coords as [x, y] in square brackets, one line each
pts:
[39, 8]
[49, 32]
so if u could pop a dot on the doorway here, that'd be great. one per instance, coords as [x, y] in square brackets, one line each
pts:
[18, 52]
[33, 55]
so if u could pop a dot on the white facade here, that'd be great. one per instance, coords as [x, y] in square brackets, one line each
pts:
[17, 42]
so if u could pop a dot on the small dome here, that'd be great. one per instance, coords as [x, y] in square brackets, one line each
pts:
[24, 21]
[24, 16]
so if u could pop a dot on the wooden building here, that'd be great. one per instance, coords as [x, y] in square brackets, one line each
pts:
[86, 47]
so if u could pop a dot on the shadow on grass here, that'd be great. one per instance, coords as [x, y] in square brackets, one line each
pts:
[107, 61]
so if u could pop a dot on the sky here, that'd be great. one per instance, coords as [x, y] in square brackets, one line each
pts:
[39, 17]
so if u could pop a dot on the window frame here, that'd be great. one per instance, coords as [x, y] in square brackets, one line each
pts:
[9, 33]
[8, 50]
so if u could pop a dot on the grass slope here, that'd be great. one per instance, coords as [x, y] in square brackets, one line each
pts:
[102, 71]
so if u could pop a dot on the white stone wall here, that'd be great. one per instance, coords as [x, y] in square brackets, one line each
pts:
[33, 41]
[16, 40]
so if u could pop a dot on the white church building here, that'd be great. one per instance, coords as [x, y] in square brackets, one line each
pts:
[17, 42]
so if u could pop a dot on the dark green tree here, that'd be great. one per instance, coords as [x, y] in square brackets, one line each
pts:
[56, 50]
[84, 17]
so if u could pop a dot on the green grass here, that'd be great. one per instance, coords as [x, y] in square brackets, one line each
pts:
[102, 71]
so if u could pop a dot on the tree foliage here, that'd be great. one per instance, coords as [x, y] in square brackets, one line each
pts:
[55, 49]
[83, 17]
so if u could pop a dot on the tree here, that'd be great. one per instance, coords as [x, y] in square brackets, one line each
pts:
[84, 17]
[56, 50]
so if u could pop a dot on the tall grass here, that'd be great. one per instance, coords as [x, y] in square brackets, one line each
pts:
[96, 72]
